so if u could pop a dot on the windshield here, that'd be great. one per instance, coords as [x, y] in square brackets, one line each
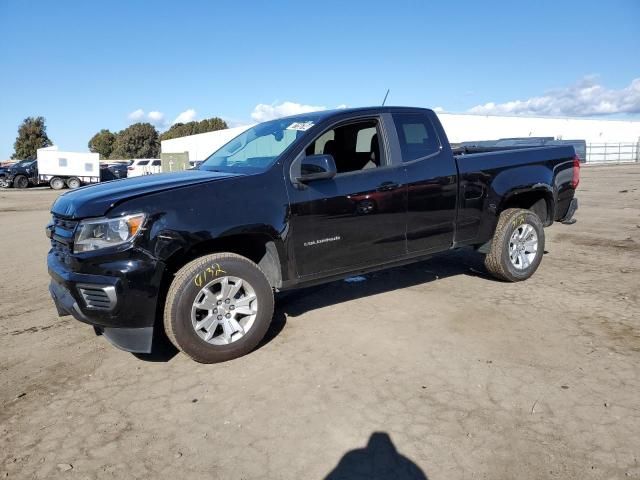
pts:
[24, 163]
[256, 149]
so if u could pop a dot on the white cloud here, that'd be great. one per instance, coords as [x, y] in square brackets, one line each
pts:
[438, 110]
[156, 117]
[263, 112]
[136, 114]
[188, 115]
[586, 97]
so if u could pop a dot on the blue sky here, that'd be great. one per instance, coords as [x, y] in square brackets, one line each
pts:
[87, 65]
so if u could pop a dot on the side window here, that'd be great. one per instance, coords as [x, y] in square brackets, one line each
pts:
[416, 135]
[354, 146]
[320, 143]
[156, 163]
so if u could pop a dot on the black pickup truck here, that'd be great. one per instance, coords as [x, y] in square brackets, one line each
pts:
[22, 174]
[289, 203]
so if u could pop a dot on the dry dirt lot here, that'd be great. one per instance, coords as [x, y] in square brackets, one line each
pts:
[428, 371]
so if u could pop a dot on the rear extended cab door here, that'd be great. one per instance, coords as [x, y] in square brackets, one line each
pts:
[431, 176]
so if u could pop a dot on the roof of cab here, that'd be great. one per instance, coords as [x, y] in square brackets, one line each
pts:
[324, 114]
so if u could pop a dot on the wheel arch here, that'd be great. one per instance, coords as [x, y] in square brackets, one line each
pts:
[539, 199]
[260, 248]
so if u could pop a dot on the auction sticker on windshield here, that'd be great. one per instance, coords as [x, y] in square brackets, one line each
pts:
[300, 126]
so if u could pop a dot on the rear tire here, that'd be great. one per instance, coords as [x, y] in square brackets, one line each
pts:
[517, 246]
[20, 182]
[74, 183]
[56, 183]
[218, 308]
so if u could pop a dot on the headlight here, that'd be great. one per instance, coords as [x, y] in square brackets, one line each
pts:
[106, 232]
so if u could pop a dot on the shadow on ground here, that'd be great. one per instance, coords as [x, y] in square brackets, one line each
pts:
[294, 303]
[458, 262]
[379, 460]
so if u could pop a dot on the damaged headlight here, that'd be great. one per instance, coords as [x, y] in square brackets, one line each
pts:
[99, 233]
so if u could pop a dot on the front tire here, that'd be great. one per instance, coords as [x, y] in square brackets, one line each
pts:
[20, 182]
[218, 308]
[517, 246]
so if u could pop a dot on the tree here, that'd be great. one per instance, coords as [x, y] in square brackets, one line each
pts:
[32, 135]
[102, 143]
[193, 128]
[139, 140]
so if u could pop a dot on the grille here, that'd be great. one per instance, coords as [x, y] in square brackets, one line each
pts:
[98, 297]
[62, 235]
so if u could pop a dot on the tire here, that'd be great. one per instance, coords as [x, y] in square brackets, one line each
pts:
[74, 183]
[20, 182]
[526, 249]
[56, 183]
[206, 274]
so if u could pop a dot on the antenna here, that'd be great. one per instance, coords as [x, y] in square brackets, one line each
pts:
[385, 97]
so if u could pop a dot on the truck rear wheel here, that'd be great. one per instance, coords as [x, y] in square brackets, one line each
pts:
[218, 308]
[21, 181]
[73, 183]
[517, 246]
[56, 183]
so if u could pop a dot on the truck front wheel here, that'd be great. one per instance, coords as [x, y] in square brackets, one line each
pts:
[517, 246]
[218, 308]
[21, 182]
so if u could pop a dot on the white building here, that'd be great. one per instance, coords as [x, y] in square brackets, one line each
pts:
[200, 146]
[467, 127]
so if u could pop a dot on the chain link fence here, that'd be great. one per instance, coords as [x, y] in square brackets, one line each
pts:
[613, 153]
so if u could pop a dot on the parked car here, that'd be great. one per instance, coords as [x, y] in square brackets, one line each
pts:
[23, 174]
[4, 172]
[144, 166]
[113, 171]
[281, 207]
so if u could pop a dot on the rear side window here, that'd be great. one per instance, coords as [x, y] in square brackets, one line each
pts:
[156, 163]
[416, 135]
[143, 163]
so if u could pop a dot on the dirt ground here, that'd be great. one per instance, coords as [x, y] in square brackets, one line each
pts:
[427, 371]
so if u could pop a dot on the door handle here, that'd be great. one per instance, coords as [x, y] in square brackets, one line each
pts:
[387, 186]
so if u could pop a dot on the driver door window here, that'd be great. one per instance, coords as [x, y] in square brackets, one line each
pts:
[354, 147]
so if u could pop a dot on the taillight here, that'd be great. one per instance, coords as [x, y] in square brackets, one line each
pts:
[575, 180]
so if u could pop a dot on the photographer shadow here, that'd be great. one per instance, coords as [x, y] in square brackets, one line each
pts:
[379, 460]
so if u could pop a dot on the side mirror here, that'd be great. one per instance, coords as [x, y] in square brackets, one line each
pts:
[317, 167]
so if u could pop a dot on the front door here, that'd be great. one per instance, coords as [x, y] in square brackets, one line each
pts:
[356, 218]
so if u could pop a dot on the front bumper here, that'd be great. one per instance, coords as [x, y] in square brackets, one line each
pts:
[126, 314]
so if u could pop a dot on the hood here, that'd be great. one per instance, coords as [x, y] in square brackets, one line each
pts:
[96, 200]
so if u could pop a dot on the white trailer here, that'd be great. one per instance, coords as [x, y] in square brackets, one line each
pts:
[71, 169]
